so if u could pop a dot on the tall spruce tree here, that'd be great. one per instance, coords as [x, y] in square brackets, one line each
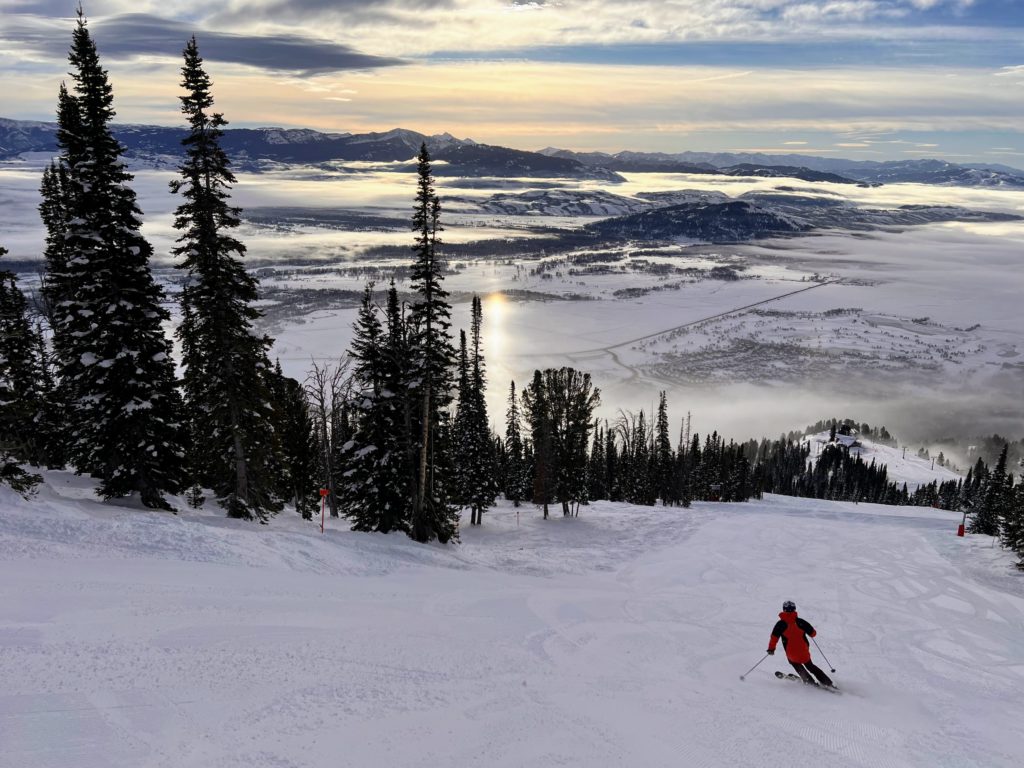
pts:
[117, 375]
[431, 360]
[373, 490]
[663, 461]
[988, 518]
[475, 466]
[54, 211]
[515, 470]
[228, 395]
[462, 480]
[539, 416]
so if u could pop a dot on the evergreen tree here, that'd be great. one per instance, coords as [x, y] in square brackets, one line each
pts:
[663, 459]
[298, 445]
[54, 211]
[613, 483]
[516, 471]
[988, 516]
[597, 472]
[1013, 523]
[560, 406]
[478, 469]
[227, 374]
[539, 417]
[20, 397]
[22, 401]
[462, 479]
[116, 371]
[373, 490]
[397, 383]
[432, 355]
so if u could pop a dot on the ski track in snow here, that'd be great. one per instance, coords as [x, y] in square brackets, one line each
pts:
[616, 638]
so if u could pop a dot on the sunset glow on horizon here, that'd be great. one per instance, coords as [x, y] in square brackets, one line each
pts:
[867, 79]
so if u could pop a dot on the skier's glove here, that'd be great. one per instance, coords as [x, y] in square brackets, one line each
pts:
[771, 653]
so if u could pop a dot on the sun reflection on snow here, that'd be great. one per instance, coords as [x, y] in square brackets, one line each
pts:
[495, 330]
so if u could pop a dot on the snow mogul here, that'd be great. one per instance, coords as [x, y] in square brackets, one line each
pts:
[793, 632]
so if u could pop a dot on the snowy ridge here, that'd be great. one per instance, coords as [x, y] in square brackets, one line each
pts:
[133, 638]
[909, 469]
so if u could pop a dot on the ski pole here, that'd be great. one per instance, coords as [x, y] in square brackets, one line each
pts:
[744, 675]
[830, 667]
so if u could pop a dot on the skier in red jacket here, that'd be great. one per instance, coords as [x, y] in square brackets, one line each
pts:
[794, 631]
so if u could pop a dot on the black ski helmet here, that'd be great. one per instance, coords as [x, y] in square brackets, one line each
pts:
[789, 606]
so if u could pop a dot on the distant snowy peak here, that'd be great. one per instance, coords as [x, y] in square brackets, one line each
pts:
[937, 172]
[572, 203]
[252, 147]
[17, 136]
[297, 135]
[411, 139]
[805, 167]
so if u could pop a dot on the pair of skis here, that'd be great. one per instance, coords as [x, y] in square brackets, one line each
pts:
[796, 678]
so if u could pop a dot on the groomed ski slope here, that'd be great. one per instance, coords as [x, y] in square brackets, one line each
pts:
[144, 640]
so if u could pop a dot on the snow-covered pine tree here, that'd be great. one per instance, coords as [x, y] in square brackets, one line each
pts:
[571, 399]
[54, 192]
[123, 408]
[612, 480]
[597, 465]
[461, 449]
[397, 385]
[516, 471]
[1013, 525]
[298, 456]
[228, 394]
[476, 466]
[21, 399]
[663, 460]
[431, 358]
[373, 489]
[989, 513]
[542, 427]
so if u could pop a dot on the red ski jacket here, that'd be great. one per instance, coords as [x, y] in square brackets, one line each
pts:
[794, 631]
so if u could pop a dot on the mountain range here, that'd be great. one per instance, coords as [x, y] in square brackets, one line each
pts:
[920, 171]
[256, 149]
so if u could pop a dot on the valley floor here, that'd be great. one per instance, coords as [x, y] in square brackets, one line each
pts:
[616, 638]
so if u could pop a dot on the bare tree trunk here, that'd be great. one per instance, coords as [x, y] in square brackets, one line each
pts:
[326, 389]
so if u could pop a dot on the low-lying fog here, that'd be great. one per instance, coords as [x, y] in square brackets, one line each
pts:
[923, 330]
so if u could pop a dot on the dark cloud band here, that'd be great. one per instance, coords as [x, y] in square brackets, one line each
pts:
[143, 35]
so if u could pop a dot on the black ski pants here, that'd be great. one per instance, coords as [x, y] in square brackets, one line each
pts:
[806, 670]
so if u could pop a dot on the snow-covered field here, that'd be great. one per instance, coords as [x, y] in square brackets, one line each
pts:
[134, 639]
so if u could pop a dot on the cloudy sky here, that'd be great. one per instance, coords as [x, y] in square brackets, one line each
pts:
[871, 79]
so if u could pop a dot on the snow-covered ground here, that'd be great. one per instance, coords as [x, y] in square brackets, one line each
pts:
[133, 639]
